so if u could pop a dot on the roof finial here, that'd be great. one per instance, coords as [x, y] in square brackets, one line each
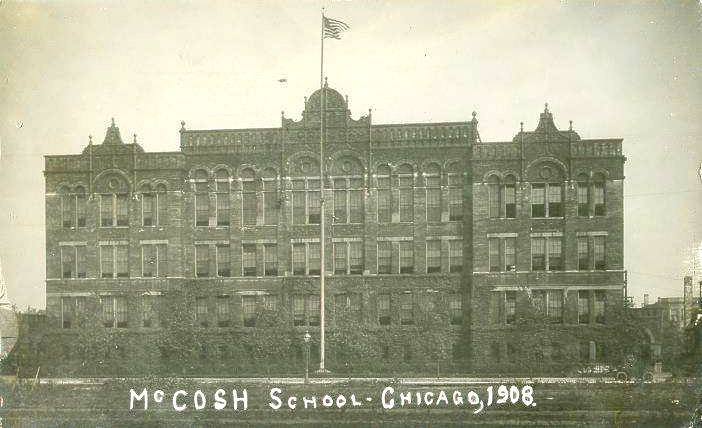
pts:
[135, 139]
[305, 100]
[521, 126]
[474, 114]
[282, 114]
[326, 84]
[90, 139]
[113, 121]
[546, 108]
[182, 125]
[571, 124]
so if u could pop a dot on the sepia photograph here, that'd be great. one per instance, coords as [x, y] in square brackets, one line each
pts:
[350, 212]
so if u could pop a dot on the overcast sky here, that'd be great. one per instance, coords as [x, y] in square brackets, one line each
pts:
[617, 69]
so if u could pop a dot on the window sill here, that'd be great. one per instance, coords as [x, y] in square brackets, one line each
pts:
[547, 218]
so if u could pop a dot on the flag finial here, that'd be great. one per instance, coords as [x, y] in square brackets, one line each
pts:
[326, 84]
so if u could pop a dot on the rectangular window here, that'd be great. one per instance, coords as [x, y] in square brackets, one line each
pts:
[148, 204]
[107, 261]
[108, 311]
[456, 309]
[510, 201]
[406, 309]
[510, 254]
[148, 261]
[383, 309]
[340, 258]
[270, 259]
[68, 262]
[270, 202]
[555, 205]
[510, 307]
[433, 256]
[583, 200]
[555, 306]
[455, 256]
[583, 307]
[202, 261]
[584, 351]
[299, 310]
[494, 254]
[248, 260]
[224, 318]
[555, 257]
[121, 312]
[151, 308]
[299, 259]
[599, 252]
[600, 301]
[248, 306]
[406, 257]
[313, 313]
[224, 261]
[599, 196]
[248, 203]
[223, 211]
[202, 209]
[538, 254]
[538, 200]
[384, 257]
[583, 253]
[122, 261]
[67, 311]
[313, 258]
[201, 312]
[356, 258]
[106, 210]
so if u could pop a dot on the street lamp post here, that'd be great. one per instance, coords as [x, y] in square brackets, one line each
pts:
[307, 338]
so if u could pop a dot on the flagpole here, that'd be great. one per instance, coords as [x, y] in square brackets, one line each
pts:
[321, 203]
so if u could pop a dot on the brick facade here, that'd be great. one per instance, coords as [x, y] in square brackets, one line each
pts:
[227, 225]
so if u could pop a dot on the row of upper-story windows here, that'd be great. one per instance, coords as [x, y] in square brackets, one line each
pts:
[221, 311]
[550, 304]
[547, 198]
[261, 259]
[546, 253]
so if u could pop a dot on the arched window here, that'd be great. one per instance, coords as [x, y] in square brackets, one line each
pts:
[348, 192]
[405, 176]
[222, 197]
[270, 196]
[305, 194]
[114, 202]
[598, 190]
[510, 197]
[202, 198]
[432, 182]
[148, 206]
[73, 207]
[161, 205]
[455, 192]
[583, 195]
[384, 194]
[493, 197]
[248, 197]
[547, 195]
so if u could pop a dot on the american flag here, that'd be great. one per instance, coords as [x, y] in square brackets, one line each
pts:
[333, 28]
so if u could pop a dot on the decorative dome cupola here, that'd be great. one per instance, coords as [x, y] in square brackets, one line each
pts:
[112, 135]
[334, 104]
[546, 131]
